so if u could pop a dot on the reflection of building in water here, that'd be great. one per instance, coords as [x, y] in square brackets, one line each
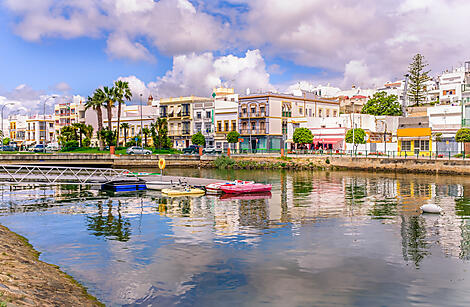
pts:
[412, 195]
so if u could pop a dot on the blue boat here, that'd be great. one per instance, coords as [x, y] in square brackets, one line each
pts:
[124, 186]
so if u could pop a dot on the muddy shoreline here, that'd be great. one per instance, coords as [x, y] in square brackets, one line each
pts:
[27, 281]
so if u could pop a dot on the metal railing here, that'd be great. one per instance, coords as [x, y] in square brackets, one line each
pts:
[55, 174]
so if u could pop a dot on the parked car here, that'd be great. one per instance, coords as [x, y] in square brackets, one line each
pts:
[136, 150]
[212, 150]
[52, 147]
[37, 148]
[8, 148]
[192, 149]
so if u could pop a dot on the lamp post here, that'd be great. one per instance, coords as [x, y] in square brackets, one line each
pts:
[385, 134]
[141, 123]
[3, 107]
[45, 125]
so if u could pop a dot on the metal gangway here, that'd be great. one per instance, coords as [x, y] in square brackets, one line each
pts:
[61, 174]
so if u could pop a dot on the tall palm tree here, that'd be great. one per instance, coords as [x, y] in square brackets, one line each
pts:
[121, 92]
[110, 97]
[80, 127]
[124, 127]
[146, 131]
[96, 102]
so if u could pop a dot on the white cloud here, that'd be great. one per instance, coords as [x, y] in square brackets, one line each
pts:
[198, 74]
[174, 27]
[63, 87]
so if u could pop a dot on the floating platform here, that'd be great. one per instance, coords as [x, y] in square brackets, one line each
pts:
[124, 186]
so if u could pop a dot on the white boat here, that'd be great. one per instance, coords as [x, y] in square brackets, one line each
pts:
[160, 185]
[431, 208]
[215, 188]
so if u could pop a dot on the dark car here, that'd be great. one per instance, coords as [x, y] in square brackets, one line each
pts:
[192, 149]
[8, 148]
[37, 148]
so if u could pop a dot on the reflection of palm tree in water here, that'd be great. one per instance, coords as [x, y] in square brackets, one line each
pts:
[413, 235]
[108, 226]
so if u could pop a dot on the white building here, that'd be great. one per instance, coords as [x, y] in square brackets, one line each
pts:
[225, 115]
[445, 121]
[450, 86]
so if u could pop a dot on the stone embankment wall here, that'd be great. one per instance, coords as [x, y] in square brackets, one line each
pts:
[409, 165]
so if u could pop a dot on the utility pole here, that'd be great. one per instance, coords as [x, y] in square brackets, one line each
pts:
[3, 107]
[405, 96]
[141, 123]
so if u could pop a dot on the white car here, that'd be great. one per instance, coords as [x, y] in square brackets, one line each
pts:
[137, 150]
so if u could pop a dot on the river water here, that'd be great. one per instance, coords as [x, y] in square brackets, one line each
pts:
[320, 239]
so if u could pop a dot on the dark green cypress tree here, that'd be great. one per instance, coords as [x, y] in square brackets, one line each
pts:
[418, 76]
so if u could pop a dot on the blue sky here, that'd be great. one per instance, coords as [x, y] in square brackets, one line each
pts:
[182, 47]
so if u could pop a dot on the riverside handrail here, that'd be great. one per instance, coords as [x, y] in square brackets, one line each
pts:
[18, 173]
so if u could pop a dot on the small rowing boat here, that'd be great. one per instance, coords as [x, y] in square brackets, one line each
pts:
[214, 188]
[160, 185]
[183, 192]
[124, 185]
[246, 188]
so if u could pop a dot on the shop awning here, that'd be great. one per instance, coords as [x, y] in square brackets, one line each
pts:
[327, 140]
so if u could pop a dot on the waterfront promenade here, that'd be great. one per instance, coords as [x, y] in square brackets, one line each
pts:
[441, 165]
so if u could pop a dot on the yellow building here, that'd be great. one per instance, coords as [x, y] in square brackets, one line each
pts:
[413, 141]
[179, 113]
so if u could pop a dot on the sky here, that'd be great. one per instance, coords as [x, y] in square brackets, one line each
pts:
[186, 47]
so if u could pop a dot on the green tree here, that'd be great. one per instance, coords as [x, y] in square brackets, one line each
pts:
[198, 139]
[145, 132]
[109, 94]
[159, 131]
[96, 102]
[302, 136]
[80, 128]
[382, 104]
[232, 137]
[359, 137]
[418, 76]
[108, 136]
[67, 134]
[125, 127]
[463, 135]
[6, 141]
[121, 92]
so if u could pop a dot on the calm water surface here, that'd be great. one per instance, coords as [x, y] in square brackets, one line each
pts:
[320, 239]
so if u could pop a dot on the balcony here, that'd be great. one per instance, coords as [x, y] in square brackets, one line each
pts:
[253, 115]
[465, 87]
[466, 122]
[186, 132]
[185, 114]
[253, 131]
[287, 114]
[163, 115]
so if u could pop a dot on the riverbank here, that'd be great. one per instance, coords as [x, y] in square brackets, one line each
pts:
[27, 281]
[401, 165]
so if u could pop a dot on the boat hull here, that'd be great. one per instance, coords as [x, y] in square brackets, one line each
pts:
[246, 188]
[190, 192]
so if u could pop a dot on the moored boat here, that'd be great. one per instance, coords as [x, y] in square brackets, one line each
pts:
[160, 185]
[183, 192]
[246, 188]
[124, 185]
[214, 188]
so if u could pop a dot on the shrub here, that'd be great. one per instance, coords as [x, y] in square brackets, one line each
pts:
[70, 145]
[86, 142]
[223, 162]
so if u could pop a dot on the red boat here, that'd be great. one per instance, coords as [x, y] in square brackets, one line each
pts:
[246, 188]
[214, 188]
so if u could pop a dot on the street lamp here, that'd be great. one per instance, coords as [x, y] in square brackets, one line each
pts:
[3, 107]
[45, 125]
[141, 123]
[385, 133]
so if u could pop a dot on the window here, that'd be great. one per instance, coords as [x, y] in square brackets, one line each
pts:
[226, 127]
[198, 115]
[208, 114]
[234, 125]
[262, 110]
[327, 113]
[310, 112]
[219, 126]
[300, 111]
[198, 127]
[405, 145]
[320, 112]
[253, 110]
[422, 145]
[334, 113]
[253, 126]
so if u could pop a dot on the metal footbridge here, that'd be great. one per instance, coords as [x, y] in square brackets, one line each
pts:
[57, 174]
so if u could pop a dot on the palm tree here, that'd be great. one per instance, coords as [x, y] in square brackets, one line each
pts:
[96, 102]
[146, 132]
[109, 93]
[121, 92]
[124, 127]
[81, 130]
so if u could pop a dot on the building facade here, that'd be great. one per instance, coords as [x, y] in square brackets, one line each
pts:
[414, 136]
[225, 116]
